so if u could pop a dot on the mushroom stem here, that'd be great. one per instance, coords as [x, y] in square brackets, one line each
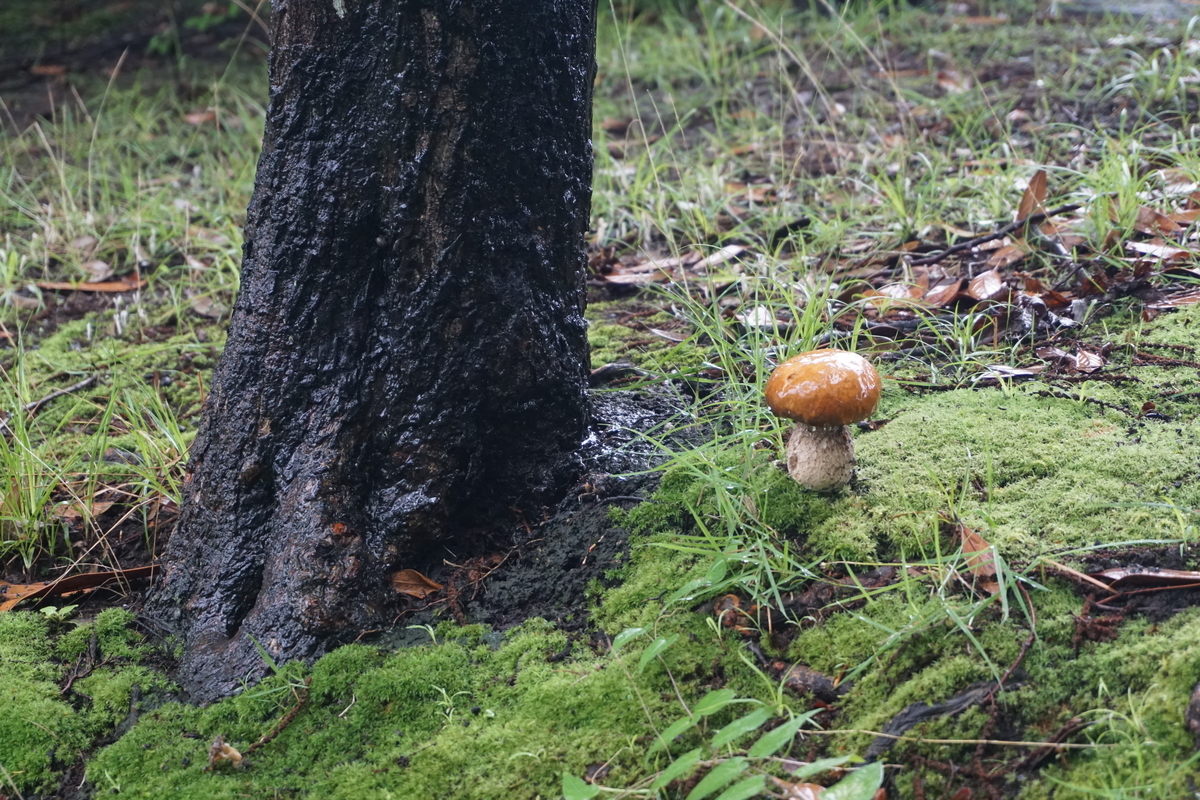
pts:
[820, 458]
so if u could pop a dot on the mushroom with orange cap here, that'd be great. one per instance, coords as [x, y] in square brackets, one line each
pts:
[823, 391]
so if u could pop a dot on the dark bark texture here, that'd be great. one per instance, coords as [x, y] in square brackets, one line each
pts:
[406, 362]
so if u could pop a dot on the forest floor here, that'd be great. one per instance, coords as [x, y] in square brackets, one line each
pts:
[996, 205]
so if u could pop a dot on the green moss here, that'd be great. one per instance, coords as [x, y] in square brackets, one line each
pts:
[1032, 472]
[612, 338]
[450, 720]
[45, 727]
[609, 344]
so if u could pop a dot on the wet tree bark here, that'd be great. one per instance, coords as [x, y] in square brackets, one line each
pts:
[406, 360]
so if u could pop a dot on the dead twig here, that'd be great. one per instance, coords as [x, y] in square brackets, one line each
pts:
[958, 247]
[301, 699]
[36, 405]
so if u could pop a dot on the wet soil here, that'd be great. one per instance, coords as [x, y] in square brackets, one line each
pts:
[547, 566]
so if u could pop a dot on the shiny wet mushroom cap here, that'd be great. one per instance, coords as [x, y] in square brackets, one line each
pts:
[823, 391]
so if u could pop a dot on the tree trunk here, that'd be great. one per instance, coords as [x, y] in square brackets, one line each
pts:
[406, 363]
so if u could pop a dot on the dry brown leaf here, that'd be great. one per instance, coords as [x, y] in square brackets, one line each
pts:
[1052, 353]
[97, 270]
[48, 70]
[726, 253]
[1189, 273]
[209, 235]
[798, 791]
[1034, 196]
[954, 82]
[125, 284]
[200, 117]
[1006, 256]
[670, 336]
[986, 286]
[84, 243]
[981, 562]
[414, 584]
[1158, 249]
[1089, 362]
[13, 593]
[1148, 577]
[76, 511]
[899, 291]
[900, 73]
[207, 307]
[636, 278]
[1188, 298]
[940, 296]
[1154, 223]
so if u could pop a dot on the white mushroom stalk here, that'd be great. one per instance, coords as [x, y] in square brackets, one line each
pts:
[821, 459]
[823, 391]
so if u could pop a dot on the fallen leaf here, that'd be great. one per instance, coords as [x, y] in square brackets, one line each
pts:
[207, 307]
[47, 70]
[981, 562]
[1089, 362]
[414, 584]
[1006, 256]
[200, 117]
[209, 235]
[953, 81]
[124, 284]
[1188, 298]
[940, 296]
[1158, 250]
[13, 593]
[798, 791]
[85, 243]
[900, 73]
[97, 270]
[998, 372]
[670, 336]
[1191, 274]
[1034, 196]
[1153, 222]
[759, 317]
[899, 291]
[986, 285]
[1148, 577]
[639, 278]
[726, 253]
[74, 511]
[614, 125]
[1052, 353]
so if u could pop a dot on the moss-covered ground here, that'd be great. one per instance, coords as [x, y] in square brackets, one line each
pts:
[752, 628]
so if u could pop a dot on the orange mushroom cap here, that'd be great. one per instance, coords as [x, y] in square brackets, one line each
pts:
[824, 388]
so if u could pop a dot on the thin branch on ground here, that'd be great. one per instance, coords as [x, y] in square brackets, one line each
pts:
[958, 247]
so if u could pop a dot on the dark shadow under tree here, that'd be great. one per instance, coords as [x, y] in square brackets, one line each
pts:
[406, 363]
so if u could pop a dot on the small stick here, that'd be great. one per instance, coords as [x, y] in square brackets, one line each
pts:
[1005, 231]
[301, 699]
[57, 393]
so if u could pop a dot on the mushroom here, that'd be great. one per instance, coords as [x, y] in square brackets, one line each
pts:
[823, 391]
